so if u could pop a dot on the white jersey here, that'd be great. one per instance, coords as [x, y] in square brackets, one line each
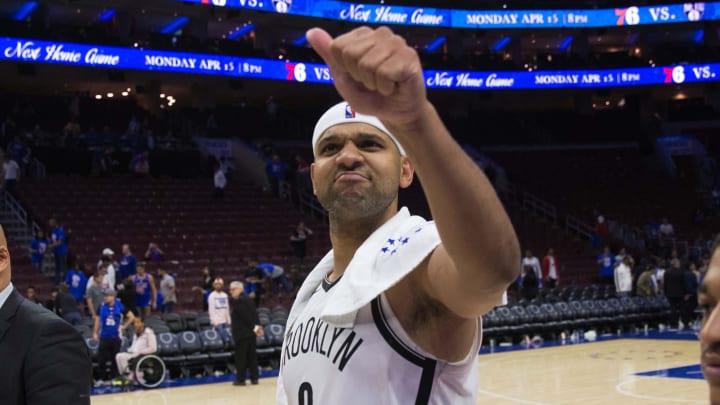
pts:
[372, 362]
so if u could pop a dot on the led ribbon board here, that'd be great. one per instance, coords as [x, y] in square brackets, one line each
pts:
[37, 51]
[484, 19]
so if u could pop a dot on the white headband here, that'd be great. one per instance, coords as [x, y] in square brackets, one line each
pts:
[342, 113]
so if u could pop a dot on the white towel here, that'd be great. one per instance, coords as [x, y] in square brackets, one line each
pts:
[389, 254]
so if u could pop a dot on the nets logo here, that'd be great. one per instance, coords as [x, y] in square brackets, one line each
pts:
[694, 11]
[282, 6]
[349, 112]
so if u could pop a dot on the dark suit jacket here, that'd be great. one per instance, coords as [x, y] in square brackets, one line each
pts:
[43, 360]
[244, 317]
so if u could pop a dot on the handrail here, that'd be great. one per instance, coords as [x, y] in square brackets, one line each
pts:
[576, 226]
[310, 204]
[539, 207]
[20, 213]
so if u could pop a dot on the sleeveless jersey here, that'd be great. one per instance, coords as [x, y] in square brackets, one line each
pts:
[143, 291]
[373, 362]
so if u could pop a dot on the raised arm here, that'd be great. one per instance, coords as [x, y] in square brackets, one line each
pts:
[379, 74]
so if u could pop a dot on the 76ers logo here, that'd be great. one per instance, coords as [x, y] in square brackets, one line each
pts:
[282, 6]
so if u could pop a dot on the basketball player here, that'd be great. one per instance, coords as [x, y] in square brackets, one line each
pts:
[708, 297]
[392, 314]
[145, 291]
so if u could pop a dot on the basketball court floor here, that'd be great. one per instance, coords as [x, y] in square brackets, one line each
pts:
[616, 371]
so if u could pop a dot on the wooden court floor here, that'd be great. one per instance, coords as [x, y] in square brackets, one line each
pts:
[599, 373]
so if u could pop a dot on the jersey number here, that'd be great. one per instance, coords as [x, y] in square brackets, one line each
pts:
[305, 394]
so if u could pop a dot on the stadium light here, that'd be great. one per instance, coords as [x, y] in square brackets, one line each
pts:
[566, 43]
[25, 10]
[175, 25]
[300, 41]
[698, 37]
[242, 31]
[106, 15]
[500, 44]
[434, 45]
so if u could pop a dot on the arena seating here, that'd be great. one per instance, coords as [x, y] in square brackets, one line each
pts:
[191, 228]
[574, 309]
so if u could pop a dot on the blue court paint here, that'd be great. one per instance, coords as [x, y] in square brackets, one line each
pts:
[692, 372]
[686, 372]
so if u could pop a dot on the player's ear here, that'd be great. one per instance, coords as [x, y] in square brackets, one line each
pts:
[407, 171]
[312, 177]
[4, 254]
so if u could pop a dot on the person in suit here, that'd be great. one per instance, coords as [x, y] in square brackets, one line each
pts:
[44, 360]
[245, 327]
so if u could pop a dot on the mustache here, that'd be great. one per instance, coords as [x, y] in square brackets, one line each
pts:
[712, 352]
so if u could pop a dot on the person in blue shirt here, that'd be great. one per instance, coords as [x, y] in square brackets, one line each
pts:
[107, 328]
[60, 248]
[275, 169]
[77, 282]
[146, 291]
[606, 260]
[38, 246]
[128, 264]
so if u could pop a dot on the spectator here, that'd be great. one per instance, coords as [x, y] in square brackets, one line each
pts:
[106, 260]
[67, 305]
[277, 276]
[646, 284]
[607, 263]
[298, 240]
[666, 229]
[218, 306]
[529, 288]
[58, 242]
[254, 280]
[621, 256]
[532, 261]
[154, 253]
[146, 292]
[601, 230]
[51, 304]
[140, 164]
[143, 342]
[167, 290]
[275, 169]
[219, 181]
[127, 265]
[675, 292]
[691, 294]
[623, 277]
[94, 294]
[31, 296]
[660, 275]
[77, 283]
[107, 332]
[37, 249]
[11, 173]
[245, 327]
[128, 296]
[550, 268]
[206, 287]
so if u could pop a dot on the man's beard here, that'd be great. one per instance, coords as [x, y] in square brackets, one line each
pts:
[353, 205]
